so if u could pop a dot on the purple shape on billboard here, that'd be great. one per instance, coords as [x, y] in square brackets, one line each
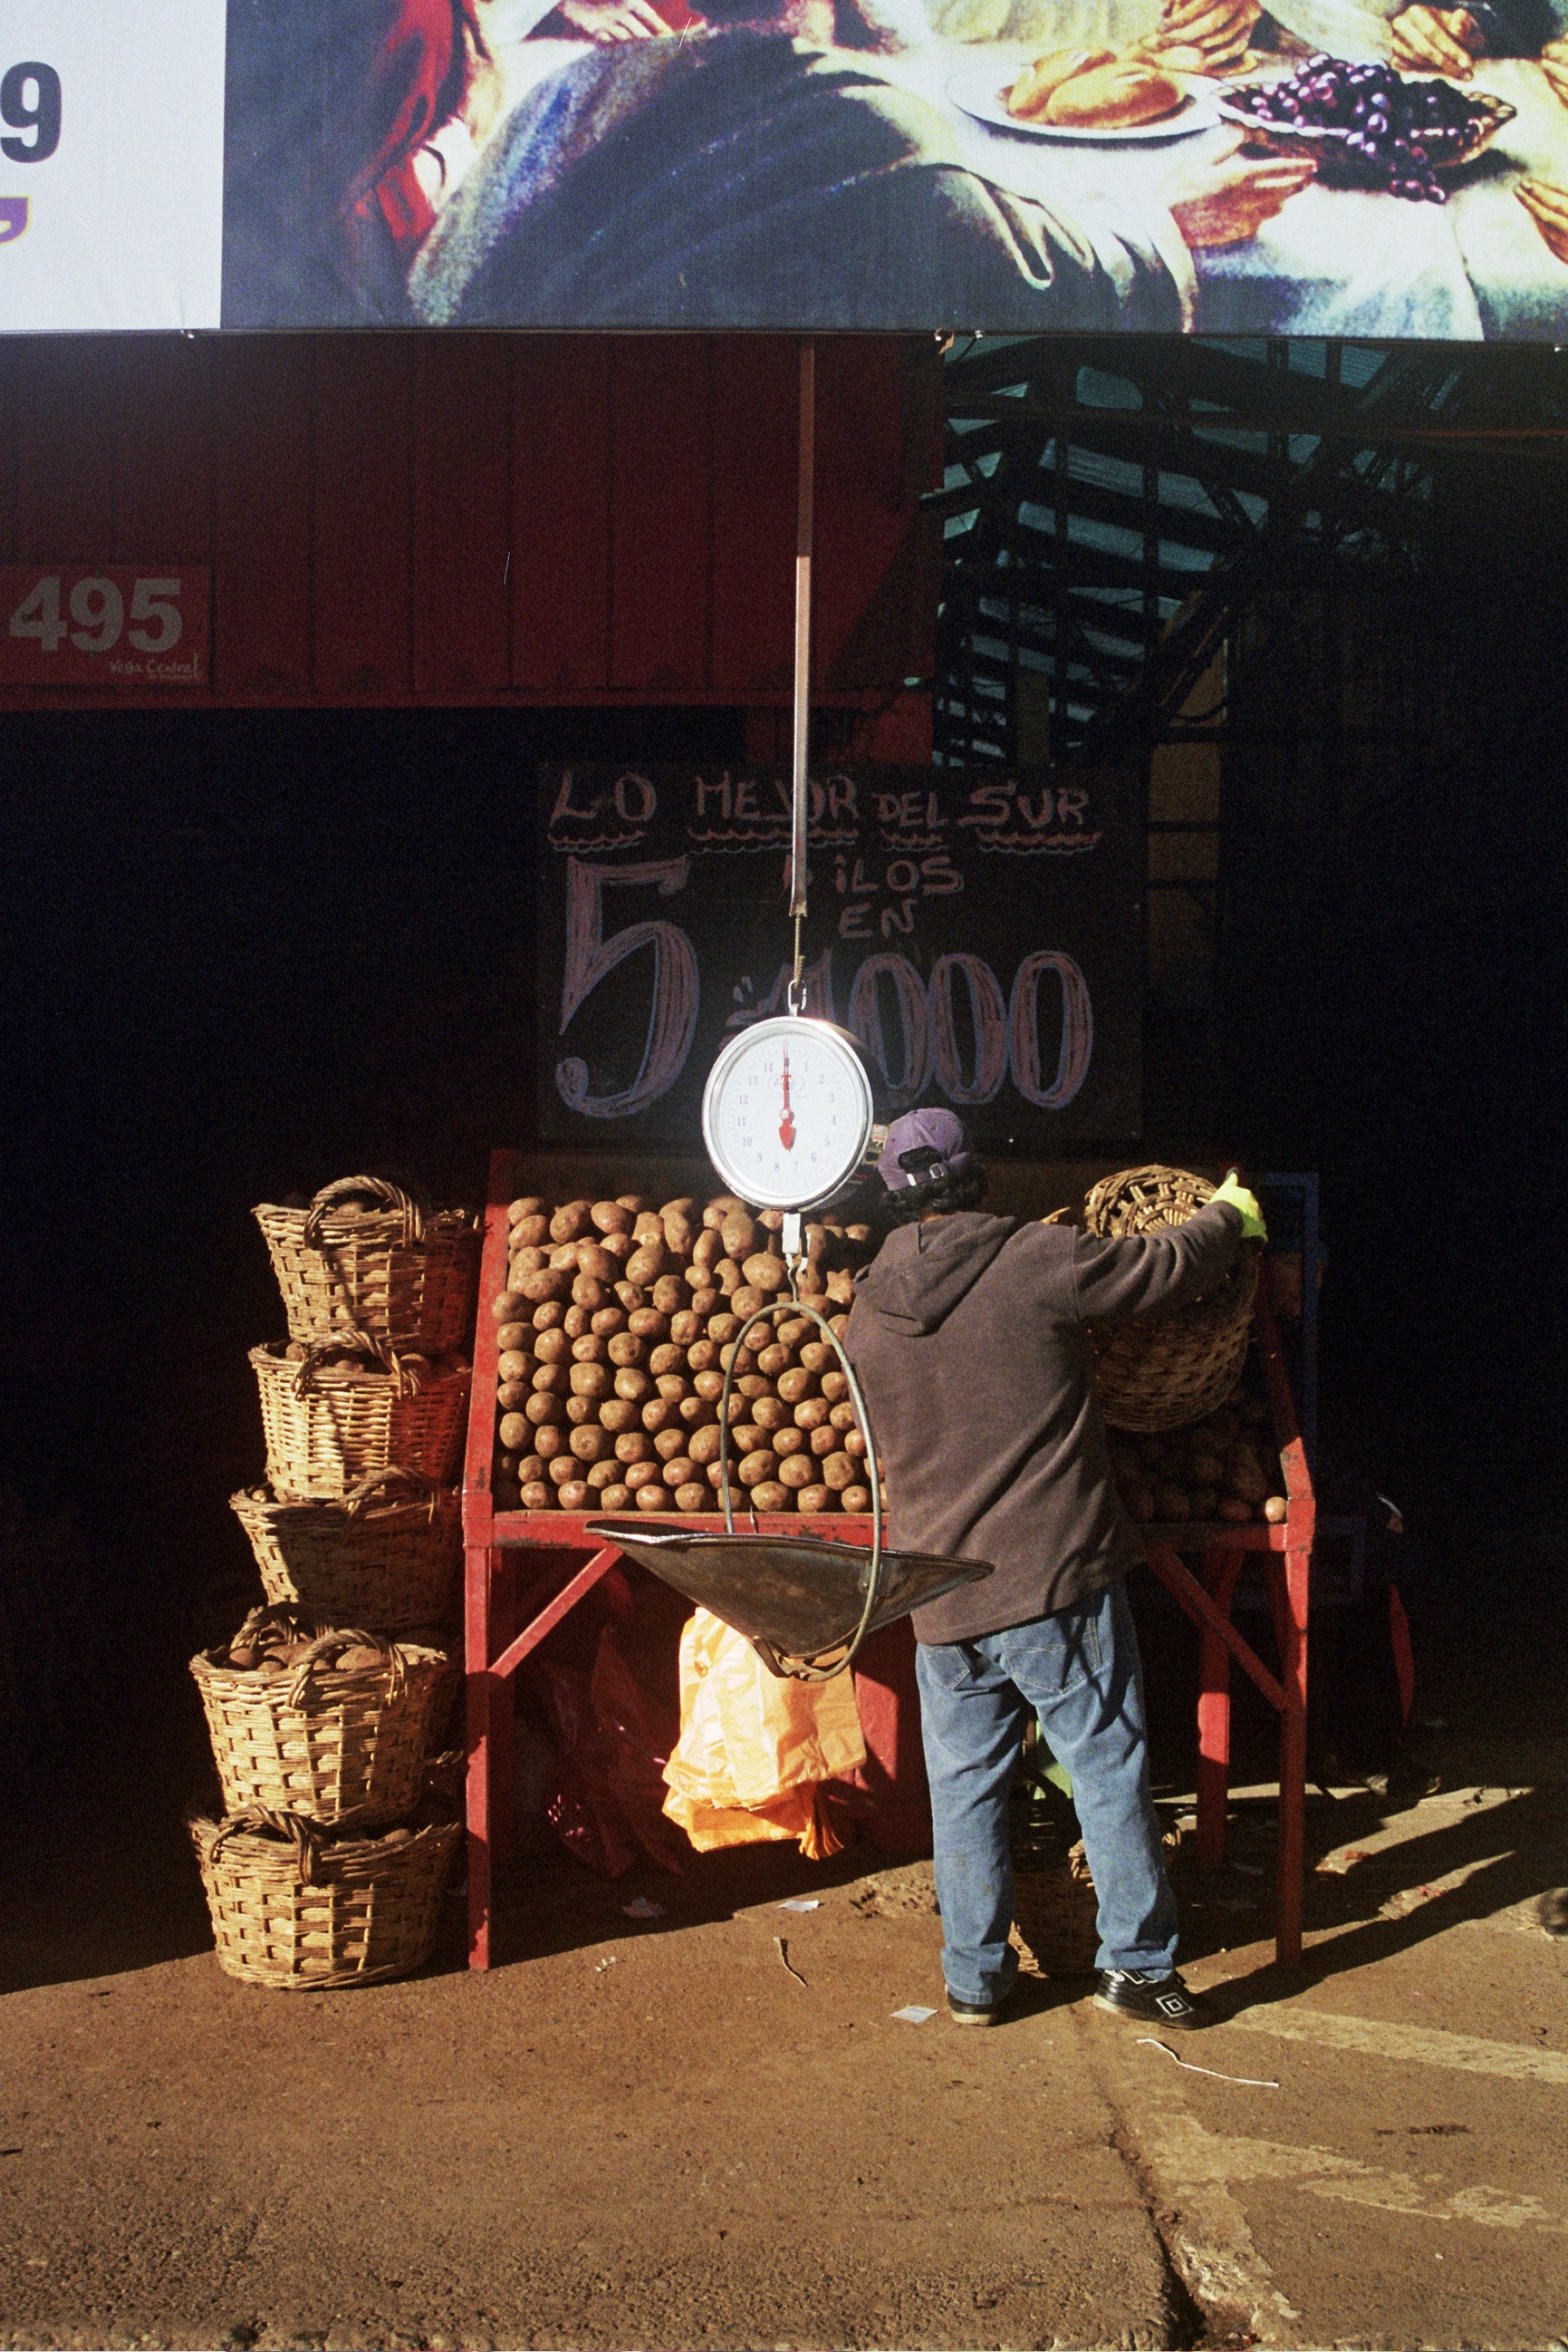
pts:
[13, 212]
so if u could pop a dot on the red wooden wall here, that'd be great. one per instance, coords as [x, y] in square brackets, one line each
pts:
[398, 519]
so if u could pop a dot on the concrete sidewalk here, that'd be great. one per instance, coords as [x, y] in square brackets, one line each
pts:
[655, 2134]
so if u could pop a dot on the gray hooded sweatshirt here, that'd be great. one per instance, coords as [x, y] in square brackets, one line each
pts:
[968, 1335]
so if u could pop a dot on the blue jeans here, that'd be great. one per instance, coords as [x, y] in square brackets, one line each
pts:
[1079, 1671]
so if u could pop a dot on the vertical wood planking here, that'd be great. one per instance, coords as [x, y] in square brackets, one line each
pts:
[361, 408]
[462, 515]
[261, 516]
[65, 450]
[164, 451]
[561, 514]
[861, 513]
[756, 415]
[660, 568]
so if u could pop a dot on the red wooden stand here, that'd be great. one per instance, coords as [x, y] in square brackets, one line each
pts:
[507, 1616]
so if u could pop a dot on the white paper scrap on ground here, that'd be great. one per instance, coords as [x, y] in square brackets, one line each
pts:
[798, 1903]
[643, 1909]
[913, 2015]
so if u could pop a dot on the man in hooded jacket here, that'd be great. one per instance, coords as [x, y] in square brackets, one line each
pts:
[969, 1336]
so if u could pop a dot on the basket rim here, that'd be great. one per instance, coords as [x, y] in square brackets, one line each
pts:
[206, 1666]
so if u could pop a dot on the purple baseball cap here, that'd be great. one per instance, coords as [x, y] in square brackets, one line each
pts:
[941, 1131]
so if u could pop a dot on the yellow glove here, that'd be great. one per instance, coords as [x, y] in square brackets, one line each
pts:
[1236, 1194]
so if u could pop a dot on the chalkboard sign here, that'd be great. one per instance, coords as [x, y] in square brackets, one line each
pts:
[980, 931]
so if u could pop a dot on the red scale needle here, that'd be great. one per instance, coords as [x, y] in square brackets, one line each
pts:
[787, 1124]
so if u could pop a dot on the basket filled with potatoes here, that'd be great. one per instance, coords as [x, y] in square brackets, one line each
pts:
[616, 1326]
[1224, 1469]
[336, 1412]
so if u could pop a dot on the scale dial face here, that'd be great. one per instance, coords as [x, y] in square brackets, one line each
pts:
[786, 1112]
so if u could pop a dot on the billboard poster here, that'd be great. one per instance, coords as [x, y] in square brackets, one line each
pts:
[979, 931]
[1346, 168]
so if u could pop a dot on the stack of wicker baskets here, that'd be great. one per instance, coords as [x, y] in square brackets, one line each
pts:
[327, 1866]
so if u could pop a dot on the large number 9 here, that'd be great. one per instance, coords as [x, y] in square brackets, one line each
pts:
[40, 113]
[99, 607]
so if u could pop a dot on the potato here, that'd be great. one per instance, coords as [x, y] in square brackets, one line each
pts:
[589, 1293]
[838, 1325]
[647, 1263]
[739, 1236]
[514, 1365]
[655, 1498]
[648, 1323]
[714, 1474]
[854, 1444]
[708, 1382]
[1171, 1502]
[841, 1288]
[549, 1440]
[753, 1384]
[754, 1467]
[589, 1349]
[609, 1217]
[764, 1271]
[678, 1471]
[552, 1347]
[704, 1303]
[796, 1470]
[813, 1289]
[634, 1446]
[702, 1356]
[551, 1380]
[767, 1412]
[796, 1387]
[639, 1474]
[513, 1335]
[723, 1325]
[605, 1321]
[576, 1496]
[632, 1296]
[531, 1260]
[721, 1205]
[562, 1469]
[771, 1496]
[855, 1501]
[666, 1358]
[771, 1220]
[508, 1306]
[538, 1497]
[811, 1412]
[1275, 1510]
[632, 1385]
[685, 1328]
[670, 1442]
[614, 1499]
[823, 1440]
[736, 1359]
[529, 1233]
[590, 1442]
[668, 1294]
[542, 1409]
[581, 1407]
[772, 1359]
[836, 1387]
[599, 1263]
[672, 1386]
[692, 1498]
[789, 1440]
[838, 1471]
[618, 1247]
[575, 1219]
[726, 1275]
[811, 1499]
[626, 1348]
[550, 1316]
[634, 1201]
[529, 1467]
[1248, 1478]
[529, 1205]
[617, 1413]
[1206, 1469]
[538, 1288]
[678, 1234]
[563, 1258]
[606, 1472]
[516, 1432]
[702, 1445]
[707, 1247]
[648, 1226]
[659, 1412]
[511, 1394]
[816, 1356]
[576, 1320]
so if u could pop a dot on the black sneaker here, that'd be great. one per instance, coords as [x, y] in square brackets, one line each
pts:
[1152, 2000]
[972, 2012]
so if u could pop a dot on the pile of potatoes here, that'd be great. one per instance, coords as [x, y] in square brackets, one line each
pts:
[616, 1326]
[1223, 1467]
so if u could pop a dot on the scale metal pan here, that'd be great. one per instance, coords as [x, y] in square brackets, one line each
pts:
[790, 1596]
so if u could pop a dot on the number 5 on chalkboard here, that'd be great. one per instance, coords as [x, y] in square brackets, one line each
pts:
[591, 958]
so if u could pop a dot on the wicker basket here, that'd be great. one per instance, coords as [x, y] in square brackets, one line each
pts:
[301, 1913]
[329, 1427]
[1167, 1370]
[385, 1557]
[335, 1744]
[367, 1254]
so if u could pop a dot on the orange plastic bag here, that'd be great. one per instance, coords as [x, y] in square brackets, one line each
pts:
[754, 1749]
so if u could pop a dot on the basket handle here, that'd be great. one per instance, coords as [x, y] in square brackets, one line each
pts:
[304, 1835]
[358, 1342]
[390, 1196]
[378, 1483]
[329, 1646]
[293, 1617]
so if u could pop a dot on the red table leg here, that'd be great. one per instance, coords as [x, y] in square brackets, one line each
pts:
[1220, 1570]
[481, 1687]
[503, 1709]
[1288, 1585]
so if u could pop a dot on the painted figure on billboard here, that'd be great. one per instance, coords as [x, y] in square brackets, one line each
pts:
[1327, 166]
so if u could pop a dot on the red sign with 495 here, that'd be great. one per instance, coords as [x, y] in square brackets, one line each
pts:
[119, 625]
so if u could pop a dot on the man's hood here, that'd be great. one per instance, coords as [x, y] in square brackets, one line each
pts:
[922, 1272]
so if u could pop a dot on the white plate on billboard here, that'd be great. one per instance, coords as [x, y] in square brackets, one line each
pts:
[980, 91]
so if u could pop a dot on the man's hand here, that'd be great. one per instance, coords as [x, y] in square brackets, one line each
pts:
[1235, 1195]
[1547, 204]
[1555, 66]
[613, 20]
[1438, 40]
[1225, 199]
[1215, 31]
